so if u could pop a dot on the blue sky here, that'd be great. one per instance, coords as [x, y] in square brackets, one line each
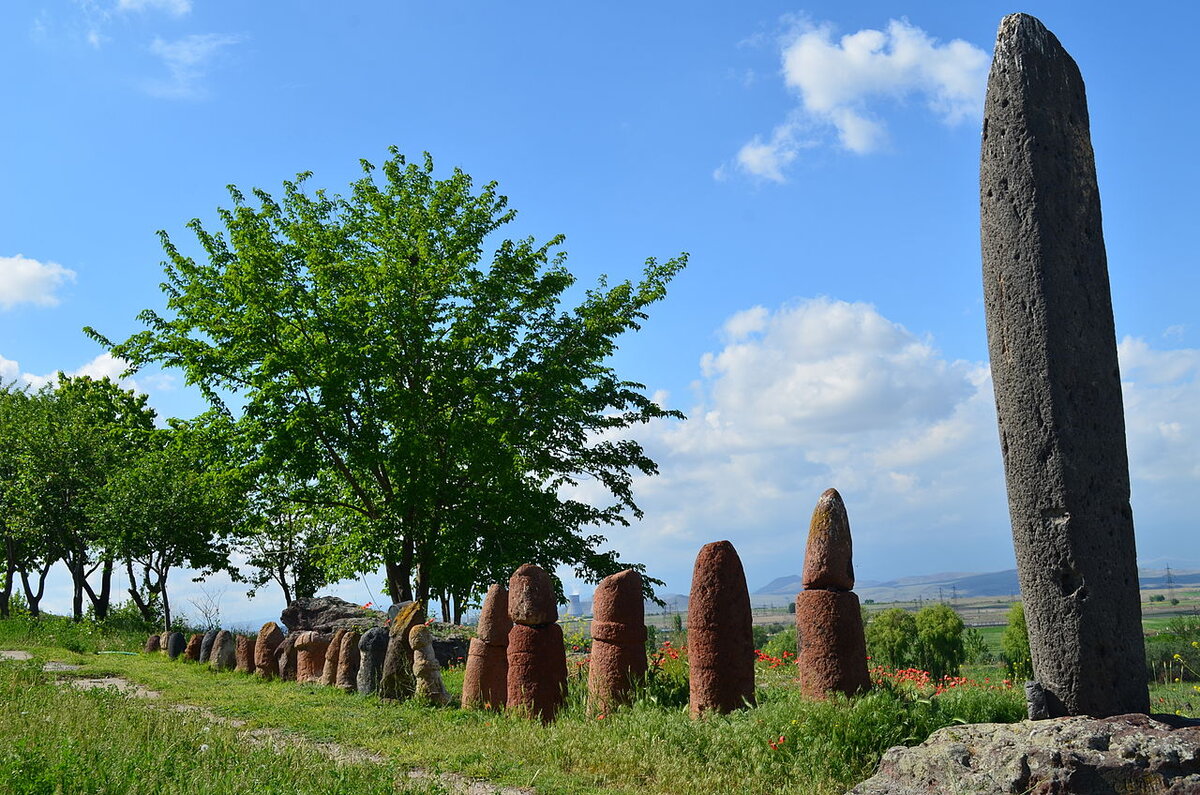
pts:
[819, 162]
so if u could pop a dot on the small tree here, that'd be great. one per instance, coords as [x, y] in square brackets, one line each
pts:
[892, 638]
[1014, 644]
[940, 640]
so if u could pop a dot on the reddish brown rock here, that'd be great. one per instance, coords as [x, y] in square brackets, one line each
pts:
[485, 680]
[426, 670]
[153, 643]
[332, 657]
[396, 680]
[618, 659]
[531, 597]
[829, 635]
[347, 658]
[265, 646]
[310, 655]
[286, 657]
[192, 650]
[537, 671]
[720, 639]
[828, 553]
[244, 654]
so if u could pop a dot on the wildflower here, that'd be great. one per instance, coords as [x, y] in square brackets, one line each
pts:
[203, 747]
[600, 716]
[1179, 657]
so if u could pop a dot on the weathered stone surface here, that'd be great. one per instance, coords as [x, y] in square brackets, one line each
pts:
[244, 654]
[1053, 355]
[163, 637]
[328, 614]
[485, 680]
[537, 670]
[175, 645]
[206, 645]
[397, 681]
[286, 657]
[720, 638]
[451, 651]
[346, 676]
[192, 650]
[531, 597]
[265, 646]
[310, 655]
[832, 647]
[332, 657]
[223, 656]
[426, 670]
[1121, 754]
[618, 658]
[828, 556]
[494, 622]
[152, 644]
[372, 648]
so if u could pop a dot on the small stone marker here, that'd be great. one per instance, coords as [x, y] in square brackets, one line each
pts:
[329, 674]
[1053, 352]
[163, 637]
[286, 657]
[831, 644]
[192, 650]
[175, 645]
[311, 648]
[244, 654]
[347, 661]
[372, 648]
[397, 680]
[537, 659]
[618, 658]
[485, 680]
[224, 654]
[265, 646]
[206, 645]
[152, 644]
[720, 638]
[426, 670]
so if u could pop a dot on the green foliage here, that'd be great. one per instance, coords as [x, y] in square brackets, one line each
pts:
[762, 633]
[780, 642]
[1157, 597]
[892, 638]
[976, 648]
[1174, 654]
[939, 640]
[1014, 644]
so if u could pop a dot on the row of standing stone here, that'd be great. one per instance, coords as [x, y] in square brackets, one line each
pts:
[518, 658]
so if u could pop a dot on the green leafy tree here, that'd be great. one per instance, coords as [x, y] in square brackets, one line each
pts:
[451, 405]
[892, 638]
[1014, 644]
[940, 647]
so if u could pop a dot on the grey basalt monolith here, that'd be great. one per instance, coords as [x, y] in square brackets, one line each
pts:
[1053, 354]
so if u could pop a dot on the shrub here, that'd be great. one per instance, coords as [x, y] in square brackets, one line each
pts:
[1014, 643]
[780, 642]
[939, 640]
[892, 638]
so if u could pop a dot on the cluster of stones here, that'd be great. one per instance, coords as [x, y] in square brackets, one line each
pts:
[831, 645]
[537, 658]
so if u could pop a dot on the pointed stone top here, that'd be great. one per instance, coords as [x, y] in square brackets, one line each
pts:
[618, 598]
[719, 596]
[1022, 41]
[531, 597]
[828, 554]
[494, 622]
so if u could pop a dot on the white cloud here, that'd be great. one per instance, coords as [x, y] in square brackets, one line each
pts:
[843, 83]
[103, 366]
[188, 61]
[176, 7]
[28, 281]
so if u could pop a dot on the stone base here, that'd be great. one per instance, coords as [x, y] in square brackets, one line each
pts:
[832, 646]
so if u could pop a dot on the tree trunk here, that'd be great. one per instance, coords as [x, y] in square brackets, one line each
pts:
[166, 603]
[10, 568]
[458, 608]
[445, 600]
[34, 599]
[78, 580]
[100, 603]
[142, 607]
[397, 579]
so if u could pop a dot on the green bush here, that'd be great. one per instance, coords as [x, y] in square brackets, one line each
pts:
[1014, 643]
[939, 640]
[780, 643]
[892, 638]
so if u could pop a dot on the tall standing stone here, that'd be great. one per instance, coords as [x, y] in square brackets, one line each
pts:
[347, 658]
[286, 657]
[175, 645]
[192, 650]
[618, 658]
[372, 648]
[269, 638]
[485, 680]
[206, 644]
[244, 654]
[537, 658]
[1053, 353]
[332, 656]
[396, 680]
[223, 656]
[720, 634]
[426, 669]
[311, 648]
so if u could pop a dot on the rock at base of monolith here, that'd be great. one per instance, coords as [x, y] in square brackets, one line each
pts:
[372, 649]
[1052, 346]
[332, 657]
[531, 597]
[176, 644]
[286, 657]
[485, 680]
[191, 652]
[206, 645]
[618, 659]
[265, 646]
[720, 633]
[311, 648]
[832, 647]
[494, 622]
[152, 644]
[828, 554]
[1124, 753]
[426, 670]
[396, 680]
[327, 614]
[244, 654]
[537, 671]
[223, 656]
[346, 676]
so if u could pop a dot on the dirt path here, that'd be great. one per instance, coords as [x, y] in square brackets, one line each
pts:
[269, 737]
